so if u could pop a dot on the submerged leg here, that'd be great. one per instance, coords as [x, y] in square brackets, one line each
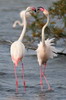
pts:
[16, 78]
[41, 82]
[24, 83]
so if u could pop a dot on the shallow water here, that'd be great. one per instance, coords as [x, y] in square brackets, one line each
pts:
[56, 75]
[56, 68]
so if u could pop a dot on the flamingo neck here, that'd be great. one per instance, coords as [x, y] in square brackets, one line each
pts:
[43, 29]
[18, 22]
[24, 27]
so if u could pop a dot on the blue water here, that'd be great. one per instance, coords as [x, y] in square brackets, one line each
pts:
[56, 68]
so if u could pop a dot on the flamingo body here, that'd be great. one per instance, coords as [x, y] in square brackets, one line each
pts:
[17, 51]
[45, 51]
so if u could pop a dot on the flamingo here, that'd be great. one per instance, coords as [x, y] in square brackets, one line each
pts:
[17, 49]
[45, 50]
[21, 16]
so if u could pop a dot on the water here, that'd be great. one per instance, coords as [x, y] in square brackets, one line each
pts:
[56, 68]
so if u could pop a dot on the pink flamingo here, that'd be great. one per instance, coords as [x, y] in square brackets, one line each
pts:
[17, 49]
[45, 50]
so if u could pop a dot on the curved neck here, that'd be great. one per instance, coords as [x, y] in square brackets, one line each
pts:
[43, 37]
[18, 22]
[24, 27]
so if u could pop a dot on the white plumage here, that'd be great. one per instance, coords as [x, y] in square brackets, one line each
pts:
[52, 51]
[47, 51]
[17, 51]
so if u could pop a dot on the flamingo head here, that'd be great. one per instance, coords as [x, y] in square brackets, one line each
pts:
[30, 9]
[46, 13]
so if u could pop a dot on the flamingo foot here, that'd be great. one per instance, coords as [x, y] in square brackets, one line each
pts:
[50, 89]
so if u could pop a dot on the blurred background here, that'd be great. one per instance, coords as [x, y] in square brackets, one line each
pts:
[9, 12]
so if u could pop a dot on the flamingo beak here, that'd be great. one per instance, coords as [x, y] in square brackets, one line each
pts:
[40, 9]
[34, 9]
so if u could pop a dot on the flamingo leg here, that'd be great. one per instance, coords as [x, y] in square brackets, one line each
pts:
[24, 83]
[49, 88]
[41, 82]
[16, 78]
[44, 67]
[43, 75]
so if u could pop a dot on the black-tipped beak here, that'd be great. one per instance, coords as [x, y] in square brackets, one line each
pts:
[35, 10]
[38, 8]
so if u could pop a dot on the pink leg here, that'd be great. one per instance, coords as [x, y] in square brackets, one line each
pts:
[24, 83]
[44, 67]
[43, 74]
[41, 82]
[49, 88]
[16, 78]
